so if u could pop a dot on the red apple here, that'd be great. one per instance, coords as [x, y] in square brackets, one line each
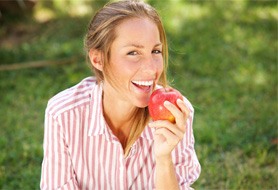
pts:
[156, 107]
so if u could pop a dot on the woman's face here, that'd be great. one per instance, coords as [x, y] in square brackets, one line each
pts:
[136, 61]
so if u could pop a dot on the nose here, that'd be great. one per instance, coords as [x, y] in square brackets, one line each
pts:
[152, 64]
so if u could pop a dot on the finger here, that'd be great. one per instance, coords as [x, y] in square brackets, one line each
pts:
[169, 126]
[183, 107]
[179, 115]
[173, 109]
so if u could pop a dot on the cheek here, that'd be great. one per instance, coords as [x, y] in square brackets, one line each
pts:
[160, 65]
[160, 70]
[127, 70]
[123, 70]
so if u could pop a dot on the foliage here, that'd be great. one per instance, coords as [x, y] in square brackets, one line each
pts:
[223, 57]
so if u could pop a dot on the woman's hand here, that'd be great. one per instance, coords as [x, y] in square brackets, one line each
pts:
[168, 135]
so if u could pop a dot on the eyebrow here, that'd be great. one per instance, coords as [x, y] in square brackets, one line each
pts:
[141, 46]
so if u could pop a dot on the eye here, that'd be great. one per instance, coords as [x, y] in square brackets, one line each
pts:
[156, 52]
[133, 53]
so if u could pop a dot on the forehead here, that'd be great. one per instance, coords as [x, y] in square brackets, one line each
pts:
[141, 30]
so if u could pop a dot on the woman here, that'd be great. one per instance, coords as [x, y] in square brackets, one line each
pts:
[98, 134]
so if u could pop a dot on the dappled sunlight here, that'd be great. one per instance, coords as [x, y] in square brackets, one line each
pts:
[250, 76]
[195, 11]
[42, 15]
[180, 12]
[266, 13]
[56, 8]
[234, 9]
[236, 34]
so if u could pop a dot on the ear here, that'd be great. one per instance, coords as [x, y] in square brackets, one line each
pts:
[96, 59]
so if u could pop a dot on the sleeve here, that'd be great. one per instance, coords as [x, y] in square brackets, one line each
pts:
[185, 160]
[57, 171]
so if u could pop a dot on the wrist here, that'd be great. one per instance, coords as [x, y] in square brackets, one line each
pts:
[164, 160]
[165, 173]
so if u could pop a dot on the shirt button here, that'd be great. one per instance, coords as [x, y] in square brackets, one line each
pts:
[133, 151]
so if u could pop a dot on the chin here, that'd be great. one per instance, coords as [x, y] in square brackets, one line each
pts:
[141, 104]
[141, 101]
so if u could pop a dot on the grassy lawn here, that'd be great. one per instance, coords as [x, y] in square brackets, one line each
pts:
[223, 57]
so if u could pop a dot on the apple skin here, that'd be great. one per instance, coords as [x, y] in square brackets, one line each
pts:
[156, 108]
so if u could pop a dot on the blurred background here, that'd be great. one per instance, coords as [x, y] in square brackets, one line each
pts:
[223, 57]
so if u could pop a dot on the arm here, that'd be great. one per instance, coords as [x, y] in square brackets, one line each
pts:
[57, 171]
[166, 174]
[177, 165]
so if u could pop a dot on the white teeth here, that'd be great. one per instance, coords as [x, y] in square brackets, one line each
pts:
[143, 83]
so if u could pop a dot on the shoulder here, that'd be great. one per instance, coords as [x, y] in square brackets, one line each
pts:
[72, 97]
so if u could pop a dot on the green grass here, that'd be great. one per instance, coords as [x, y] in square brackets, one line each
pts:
[223, 57]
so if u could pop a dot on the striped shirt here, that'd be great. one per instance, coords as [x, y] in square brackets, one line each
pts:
[81, 152]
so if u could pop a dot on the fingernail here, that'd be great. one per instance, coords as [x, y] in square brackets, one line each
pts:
[179, 101]
[166, 103]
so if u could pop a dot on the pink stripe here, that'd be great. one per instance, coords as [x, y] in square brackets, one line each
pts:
[140, 164]
[67, 138]
[52, 156]
[60, 164]
[77, 149]
[84, 150]
[100, 171]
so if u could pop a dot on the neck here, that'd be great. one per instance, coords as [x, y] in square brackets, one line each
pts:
[118, 114]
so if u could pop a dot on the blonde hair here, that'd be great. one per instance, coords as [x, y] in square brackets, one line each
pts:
[100, 36]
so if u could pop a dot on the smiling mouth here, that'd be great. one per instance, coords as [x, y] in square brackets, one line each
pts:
[144, 86]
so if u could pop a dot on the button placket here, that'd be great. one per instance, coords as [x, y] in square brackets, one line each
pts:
[121, 177]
